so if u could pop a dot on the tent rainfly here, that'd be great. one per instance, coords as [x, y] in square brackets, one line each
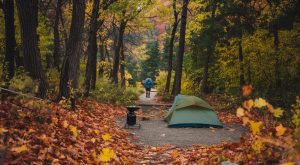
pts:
[191, 111]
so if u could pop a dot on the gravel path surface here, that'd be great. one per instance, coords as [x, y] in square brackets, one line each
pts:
[155, 132]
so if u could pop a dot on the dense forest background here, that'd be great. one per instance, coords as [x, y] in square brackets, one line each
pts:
[62, 49]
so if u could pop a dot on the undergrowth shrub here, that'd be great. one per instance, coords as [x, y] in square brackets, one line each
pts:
[106, 92]
[23, 82]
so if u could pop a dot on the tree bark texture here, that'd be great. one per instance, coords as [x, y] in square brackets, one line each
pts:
[210, 51]
[70, 66]
[277, 60]
[10, 41]
[170, 57]
[118, 51]
[92, 49]
[56, 51]
[122, 67]
[179, 61]
[28, 18]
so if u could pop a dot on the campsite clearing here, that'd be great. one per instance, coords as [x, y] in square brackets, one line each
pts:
[155, 132]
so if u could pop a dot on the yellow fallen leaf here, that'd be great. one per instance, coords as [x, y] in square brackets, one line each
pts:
[257, 146]
[65, 124]
[106, 154]
[240, 112]
[174, 154]
[20, 149]
[106, 137]
[288, 163]
[2, 130]
[255, 127]
[280, 130]
[97, 132]
[259, 103]
[245, 121]
[248, 104]
[74, 130]
[93, 140]
[278, 112]
[94, 155]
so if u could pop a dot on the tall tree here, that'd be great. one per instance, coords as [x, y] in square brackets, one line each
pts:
[126, 10]
[28, 18]
[70, 66]
[118, 50]
[241, 18]
[171, 46]
[95, 25]
[179, 60]
[92, 48]
[10, 41]
[56, 50]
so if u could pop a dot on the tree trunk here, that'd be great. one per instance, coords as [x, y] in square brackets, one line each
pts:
[91, 65]
[118, 51]
[122, 67]
[70, 66]
[10, 41]
[56, 51]
[210, 51]
[28, 18]
[170, 58]
[277, 60]
[178, 73]
[241, 61]
[102, 57]
[249, 72]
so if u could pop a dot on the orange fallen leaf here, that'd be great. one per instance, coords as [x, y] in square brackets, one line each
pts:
[280, 130]
[247, 89]
[175, 154]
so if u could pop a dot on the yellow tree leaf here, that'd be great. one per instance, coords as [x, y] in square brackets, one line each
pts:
[280, 130]
[255, 127]
[240, 112]
[247, 89]
[74, 130]
[106, 137]
[259, 103]
[106, 154]
[248, 104]
[2, 130]
[20, 149]
[278, 112]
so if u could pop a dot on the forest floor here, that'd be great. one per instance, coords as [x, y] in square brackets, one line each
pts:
[91, 134]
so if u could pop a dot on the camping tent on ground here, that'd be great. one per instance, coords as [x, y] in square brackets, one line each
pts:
[191, 111]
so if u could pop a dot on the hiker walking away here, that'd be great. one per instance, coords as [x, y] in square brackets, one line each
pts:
[148, 84]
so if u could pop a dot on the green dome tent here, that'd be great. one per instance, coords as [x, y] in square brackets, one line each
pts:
[191, 111]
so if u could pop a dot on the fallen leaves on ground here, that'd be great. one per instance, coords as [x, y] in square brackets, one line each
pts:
[90, 136]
